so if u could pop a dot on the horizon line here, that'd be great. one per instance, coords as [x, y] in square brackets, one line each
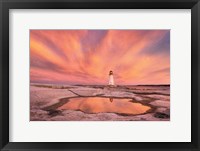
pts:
[99, 84]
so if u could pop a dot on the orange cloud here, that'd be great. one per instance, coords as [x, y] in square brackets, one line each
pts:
[86, 56]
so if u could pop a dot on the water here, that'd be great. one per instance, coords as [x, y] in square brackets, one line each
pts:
[105, 105]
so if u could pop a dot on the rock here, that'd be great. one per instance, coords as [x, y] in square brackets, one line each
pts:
[163, 110]
[161, 115]
[54, 112]
[85, 91]
[42, 97]
[160, 103]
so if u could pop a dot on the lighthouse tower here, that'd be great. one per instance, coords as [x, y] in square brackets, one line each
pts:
[111, 79]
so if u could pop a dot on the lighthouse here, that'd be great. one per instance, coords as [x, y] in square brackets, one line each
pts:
[111, 79]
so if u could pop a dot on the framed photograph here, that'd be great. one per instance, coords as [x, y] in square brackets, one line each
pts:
[70, 87]
[99, 75]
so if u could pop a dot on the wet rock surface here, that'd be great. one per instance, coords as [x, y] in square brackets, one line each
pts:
[45, 101]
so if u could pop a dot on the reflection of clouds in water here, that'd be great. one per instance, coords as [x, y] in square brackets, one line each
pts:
[98, 104]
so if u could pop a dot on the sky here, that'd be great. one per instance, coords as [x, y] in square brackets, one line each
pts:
[87, 56]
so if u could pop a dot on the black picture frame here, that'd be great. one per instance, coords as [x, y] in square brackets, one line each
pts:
[5, 5]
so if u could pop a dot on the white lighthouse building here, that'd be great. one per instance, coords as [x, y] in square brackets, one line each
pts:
[111, 79]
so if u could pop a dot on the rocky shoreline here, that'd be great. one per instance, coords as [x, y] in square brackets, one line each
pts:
[45, 101]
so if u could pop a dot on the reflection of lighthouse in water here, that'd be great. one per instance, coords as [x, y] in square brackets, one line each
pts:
[111, 79]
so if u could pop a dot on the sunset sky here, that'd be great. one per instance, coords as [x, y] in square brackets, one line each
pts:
[87, 56]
